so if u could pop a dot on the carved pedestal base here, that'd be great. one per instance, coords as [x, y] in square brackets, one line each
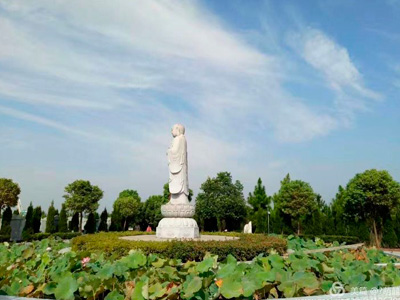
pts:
[178, 228]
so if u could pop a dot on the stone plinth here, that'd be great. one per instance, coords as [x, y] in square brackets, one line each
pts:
[178, 228]
[177, 210]
[178, 222]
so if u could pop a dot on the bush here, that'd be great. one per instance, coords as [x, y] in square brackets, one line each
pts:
[6, 221]
[74, 223]
[90, 226]
[4, 238]
[44, 235]
[103, 221]
[246, 247]
[5, 230]
[37, 219]
[334, 238]
[63, 220]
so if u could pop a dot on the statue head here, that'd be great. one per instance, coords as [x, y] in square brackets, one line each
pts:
[177, 129]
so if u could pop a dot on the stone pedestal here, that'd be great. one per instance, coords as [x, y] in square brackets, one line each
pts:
[17, 225]
[178, 222]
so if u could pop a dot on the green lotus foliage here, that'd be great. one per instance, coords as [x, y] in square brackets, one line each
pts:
[48, 269]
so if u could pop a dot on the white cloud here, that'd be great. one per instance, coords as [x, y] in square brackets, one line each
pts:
[88, 53]
[332, 60]
[334, 63]
[120, 73]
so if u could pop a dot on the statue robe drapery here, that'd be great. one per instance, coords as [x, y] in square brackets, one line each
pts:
[178, 166]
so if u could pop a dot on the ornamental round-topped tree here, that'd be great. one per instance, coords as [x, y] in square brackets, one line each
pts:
[178, 212]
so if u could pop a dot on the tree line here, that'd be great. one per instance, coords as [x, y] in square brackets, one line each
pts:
[367, 207]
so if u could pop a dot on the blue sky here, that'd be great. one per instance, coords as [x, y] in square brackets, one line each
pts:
[90, 90]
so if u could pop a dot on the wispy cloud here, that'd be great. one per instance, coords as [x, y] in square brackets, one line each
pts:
[121, 73]
[83, 59]
[337, 68]
[332, 60]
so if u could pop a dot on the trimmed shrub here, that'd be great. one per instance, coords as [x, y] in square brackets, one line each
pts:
[334, 238]
[6, 221]
[90, 226]
[74, 223]
[63, 220]
[4, 238]
[45, 235]
[246, 247]
[103, 221]
[28, 229]
[37, 219]
[50, 222]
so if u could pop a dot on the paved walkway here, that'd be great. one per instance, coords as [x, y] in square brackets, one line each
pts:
[393, 252]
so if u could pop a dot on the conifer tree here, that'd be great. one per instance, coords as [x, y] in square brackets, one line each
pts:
[90, 226]
[74, 223]
[6, 221]
[28, 228]
[103, 220]
[36, 219]
[63, 220]
[50, 224]
[260, 203]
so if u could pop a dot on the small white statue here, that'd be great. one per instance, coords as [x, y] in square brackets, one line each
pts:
[248, 228]
[19, 206]
[178, 166]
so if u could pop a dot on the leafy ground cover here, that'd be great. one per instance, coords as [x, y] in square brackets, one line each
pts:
[46, 269]
[297, 243]
[245, 248]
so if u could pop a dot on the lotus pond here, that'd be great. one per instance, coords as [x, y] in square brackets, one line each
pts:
[49, 269]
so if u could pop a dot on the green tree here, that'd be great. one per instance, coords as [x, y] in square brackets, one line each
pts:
[6, 221]
[36, 219]
[128, 206]
[372, 196]
[63, 220]
[82, 197]
[74, 223]
[152, 210]
[260, 204]
[50, 223]
[337, 207]
[296, 199]
[220, 203]
[103, 221]
[90, 226]
[314, 223]
[389, 237]
[166, 193]
[396, 224]
[28, 228]
[116, 221]
[9, 192]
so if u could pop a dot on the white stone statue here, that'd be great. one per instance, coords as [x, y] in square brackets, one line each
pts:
[248, 228]
[19, 206]
[178, 166]
[178, 212]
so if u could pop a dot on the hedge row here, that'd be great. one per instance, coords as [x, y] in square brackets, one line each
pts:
[245, 248]
[333, 238]
[4, 238]
[62, 235]
[42, 235]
